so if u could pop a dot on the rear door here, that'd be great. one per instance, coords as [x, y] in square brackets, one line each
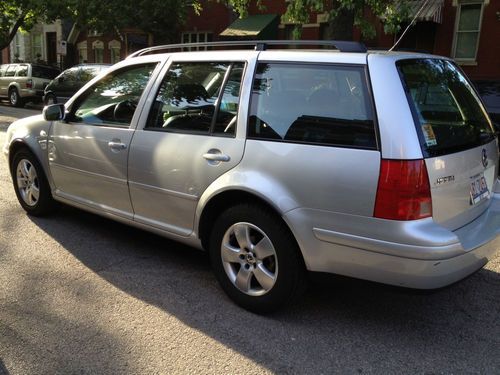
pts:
[191, 136]
[456, 138]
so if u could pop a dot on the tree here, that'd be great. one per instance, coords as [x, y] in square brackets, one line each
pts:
[23, 14]
[158, 17]
[343, 15]
[161, 18]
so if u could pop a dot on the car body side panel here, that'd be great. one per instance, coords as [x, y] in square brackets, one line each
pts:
[398, 136]
[31, 132]
[85, 168]
[283, 175]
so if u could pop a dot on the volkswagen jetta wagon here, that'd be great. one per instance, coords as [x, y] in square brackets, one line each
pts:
[376, 165]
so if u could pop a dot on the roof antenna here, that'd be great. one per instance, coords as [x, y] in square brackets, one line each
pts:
[410, 25]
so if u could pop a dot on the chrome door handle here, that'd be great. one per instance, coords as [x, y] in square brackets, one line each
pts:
[216, 157]
[117, 145]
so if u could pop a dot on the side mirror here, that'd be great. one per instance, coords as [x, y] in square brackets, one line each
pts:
[54, 112]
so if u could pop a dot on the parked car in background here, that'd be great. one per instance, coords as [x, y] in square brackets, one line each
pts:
[490, 93]
[66, 84]
[24, 82]
[376, 165]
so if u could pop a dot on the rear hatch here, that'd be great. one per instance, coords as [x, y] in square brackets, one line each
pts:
[457, 139]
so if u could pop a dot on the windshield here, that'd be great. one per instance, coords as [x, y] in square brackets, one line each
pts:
[450, 116]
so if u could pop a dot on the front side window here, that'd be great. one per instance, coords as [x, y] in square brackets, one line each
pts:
[449, 116]
[467, 31]
[317, 104]
[11, 71]
[113, 100]
[198, 97]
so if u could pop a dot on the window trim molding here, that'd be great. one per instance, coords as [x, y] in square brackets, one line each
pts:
[458, 3]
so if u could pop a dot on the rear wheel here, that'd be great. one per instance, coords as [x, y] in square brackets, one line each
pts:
[14, 98]
[256, 259]
[31, 185]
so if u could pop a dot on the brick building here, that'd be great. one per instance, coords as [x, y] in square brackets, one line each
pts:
[467, 30]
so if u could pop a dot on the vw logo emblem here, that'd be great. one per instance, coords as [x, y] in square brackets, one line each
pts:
[484, 158]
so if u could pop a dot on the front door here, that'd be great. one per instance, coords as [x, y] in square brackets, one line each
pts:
[88, 151]
[190, 139]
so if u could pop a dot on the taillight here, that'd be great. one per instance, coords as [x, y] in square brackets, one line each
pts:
[29, 84]
[403, 191]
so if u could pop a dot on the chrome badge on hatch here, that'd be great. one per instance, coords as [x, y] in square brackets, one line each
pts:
[484, 158]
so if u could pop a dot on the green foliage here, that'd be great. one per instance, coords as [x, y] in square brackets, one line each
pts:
[159, 17]
[392, 12]
[23, 14]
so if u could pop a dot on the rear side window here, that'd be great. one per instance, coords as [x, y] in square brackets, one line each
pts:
[22, 71]
[447, 111]
[314, 104]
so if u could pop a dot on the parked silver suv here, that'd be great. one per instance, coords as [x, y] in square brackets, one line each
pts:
[376, 165]
[24, 82]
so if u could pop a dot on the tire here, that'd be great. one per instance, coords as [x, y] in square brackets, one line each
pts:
[31, 185]
[50, 99]
[14, 98]
[256, 259]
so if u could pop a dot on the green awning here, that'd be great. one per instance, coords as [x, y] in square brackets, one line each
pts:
[262, 26]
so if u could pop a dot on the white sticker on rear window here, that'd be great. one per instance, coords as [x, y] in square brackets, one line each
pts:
[430, 137]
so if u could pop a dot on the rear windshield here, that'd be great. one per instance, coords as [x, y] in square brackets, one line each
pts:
[449, 116]
[44, 72]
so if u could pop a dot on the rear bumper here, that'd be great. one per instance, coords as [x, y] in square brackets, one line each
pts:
[419, 254]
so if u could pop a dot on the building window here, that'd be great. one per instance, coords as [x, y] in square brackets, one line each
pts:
[36, 45]
[98, 48]
[17, 48]
[467, 30]
[114, 51]
[82, 52]
[196, 37]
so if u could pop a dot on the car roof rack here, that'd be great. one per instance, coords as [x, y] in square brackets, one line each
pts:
[259, 45]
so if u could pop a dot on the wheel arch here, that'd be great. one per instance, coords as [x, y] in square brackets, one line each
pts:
[15, 147]
[14, 85]
[223, 200]
[19, 144]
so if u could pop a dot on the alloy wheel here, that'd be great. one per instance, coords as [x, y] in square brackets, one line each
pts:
[249, 259]
[27, 182]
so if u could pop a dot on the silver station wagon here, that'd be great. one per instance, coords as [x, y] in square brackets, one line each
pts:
[376, 165]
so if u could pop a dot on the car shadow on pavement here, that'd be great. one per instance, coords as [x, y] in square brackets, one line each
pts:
[340, 321]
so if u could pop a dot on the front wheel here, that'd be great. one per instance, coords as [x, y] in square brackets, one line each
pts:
[31, 185]
[256, 259]
[50, 99]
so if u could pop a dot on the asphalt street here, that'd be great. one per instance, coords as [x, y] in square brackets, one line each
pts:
[80, 294]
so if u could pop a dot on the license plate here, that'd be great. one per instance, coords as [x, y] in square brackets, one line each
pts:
[478, 189]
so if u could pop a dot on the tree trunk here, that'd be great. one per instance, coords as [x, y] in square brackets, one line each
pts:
[7, 36]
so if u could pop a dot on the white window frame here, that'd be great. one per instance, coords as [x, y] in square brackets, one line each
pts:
[459, 4]
[114, 51]
[37, 48]
[98, 45]
[83, 56]
[196, 35]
